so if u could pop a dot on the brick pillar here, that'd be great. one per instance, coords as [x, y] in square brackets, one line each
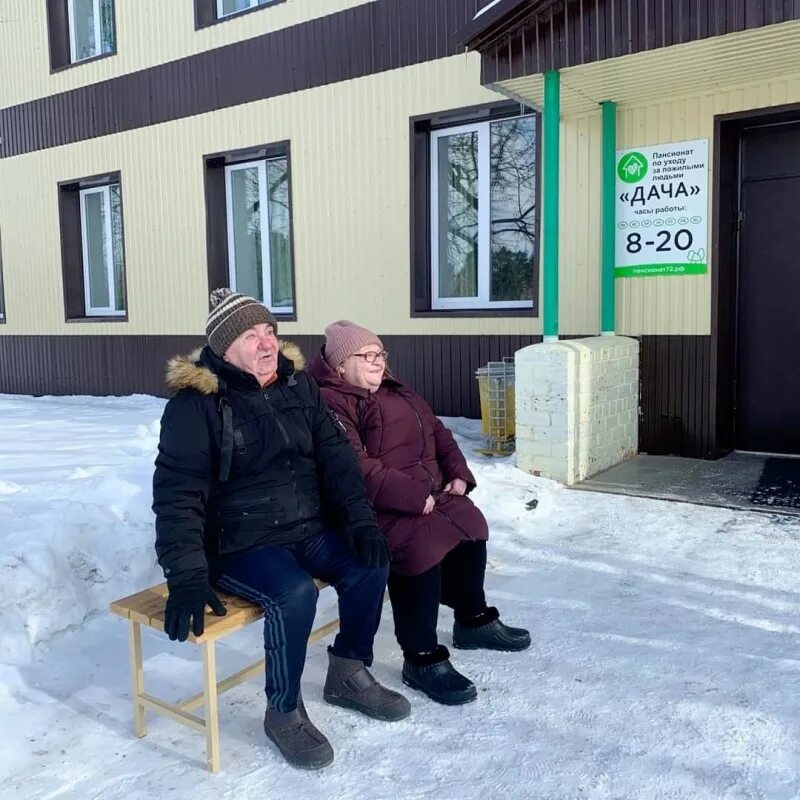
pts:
[577, 406]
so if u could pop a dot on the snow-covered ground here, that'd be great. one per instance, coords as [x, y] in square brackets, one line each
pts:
[665, 663]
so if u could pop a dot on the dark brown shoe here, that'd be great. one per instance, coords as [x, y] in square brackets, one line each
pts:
[298, 740]
[351, 685]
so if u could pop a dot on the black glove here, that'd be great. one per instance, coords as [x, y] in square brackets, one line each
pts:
[370, 546]
[187, 602]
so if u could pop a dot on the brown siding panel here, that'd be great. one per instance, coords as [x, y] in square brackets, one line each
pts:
[71, 251]
[58, 39]
[676, 396]
[359, 41]
[584, 31]
[441, 368]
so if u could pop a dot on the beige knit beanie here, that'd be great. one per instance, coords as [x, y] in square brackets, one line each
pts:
[231, 315]
[343, 338]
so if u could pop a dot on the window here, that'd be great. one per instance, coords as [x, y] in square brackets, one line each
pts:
[249, 226]
[80, 30]
[480, 248]
[483, 214]
[91, 28]
[227, 7]
[92, 246]
[101, 239]
[208, 12]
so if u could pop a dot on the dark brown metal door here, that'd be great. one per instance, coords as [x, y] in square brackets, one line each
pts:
[768, 327]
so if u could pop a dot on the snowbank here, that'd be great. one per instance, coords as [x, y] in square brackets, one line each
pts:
[75, 520]
[665, 660]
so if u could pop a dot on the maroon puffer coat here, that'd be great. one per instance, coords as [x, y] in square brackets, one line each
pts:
[406, 453]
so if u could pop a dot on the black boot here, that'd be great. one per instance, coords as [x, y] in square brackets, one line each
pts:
[433, 674]
[298, 740]
[486, 632]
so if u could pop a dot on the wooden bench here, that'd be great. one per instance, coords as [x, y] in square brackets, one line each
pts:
[147, 608]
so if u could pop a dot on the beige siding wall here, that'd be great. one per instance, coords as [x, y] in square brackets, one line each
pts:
[662, 305]
[579, 241]
[350, 173]
[149, 32]
[350, 182]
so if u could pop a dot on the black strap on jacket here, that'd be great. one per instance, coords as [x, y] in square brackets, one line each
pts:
[231, 436]
[226, 450]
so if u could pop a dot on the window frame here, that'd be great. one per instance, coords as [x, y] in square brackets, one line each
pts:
[60, 40]
[206, 12]
[218, 222]
[73, 247]
[222, 15]
[71, 30]
[111, 310]
[425, 131]
[265, 228]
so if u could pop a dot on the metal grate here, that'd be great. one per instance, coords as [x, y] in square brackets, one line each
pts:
[500, 384]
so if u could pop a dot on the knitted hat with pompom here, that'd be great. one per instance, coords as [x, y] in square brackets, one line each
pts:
[231, 315]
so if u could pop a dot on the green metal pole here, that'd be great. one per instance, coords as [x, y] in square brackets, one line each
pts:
[608, 311]
[552, 115]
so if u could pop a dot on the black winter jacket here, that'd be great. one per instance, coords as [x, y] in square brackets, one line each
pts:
[239, 466]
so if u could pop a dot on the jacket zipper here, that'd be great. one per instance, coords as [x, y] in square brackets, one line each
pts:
[422, 437]
[454, 523]
[287, 441]
[422, 453]
[277, 419]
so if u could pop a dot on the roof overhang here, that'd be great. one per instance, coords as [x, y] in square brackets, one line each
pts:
[684, 70]
[499, 17]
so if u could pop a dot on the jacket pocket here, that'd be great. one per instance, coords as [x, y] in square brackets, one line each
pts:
[248, 433]
[263, 509]
[248, 503]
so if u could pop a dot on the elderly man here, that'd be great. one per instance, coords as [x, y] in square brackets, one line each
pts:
[257, 491]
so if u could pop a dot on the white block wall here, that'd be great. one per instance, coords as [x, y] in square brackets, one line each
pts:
[577, 406]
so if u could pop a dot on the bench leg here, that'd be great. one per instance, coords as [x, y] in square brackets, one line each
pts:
[212, 712]
[137, 673]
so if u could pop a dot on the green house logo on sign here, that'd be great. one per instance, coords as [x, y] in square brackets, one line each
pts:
[632, 167]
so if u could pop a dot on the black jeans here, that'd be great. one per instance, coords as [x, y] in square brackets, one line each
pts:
[456, 581]
[280, 580]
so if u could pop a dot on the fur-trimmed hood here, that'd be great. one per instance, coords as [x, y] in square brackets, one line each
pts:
[186, 372]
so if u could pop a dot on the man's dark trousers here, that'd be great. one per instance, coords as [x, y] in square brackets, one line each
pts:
[280, 580]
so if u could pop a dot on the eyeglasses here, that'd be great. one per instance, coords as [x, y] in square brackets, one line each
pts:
[372, 357]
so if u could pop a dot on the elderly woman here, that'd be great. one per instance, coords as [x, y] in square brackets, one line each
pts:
[418, 481]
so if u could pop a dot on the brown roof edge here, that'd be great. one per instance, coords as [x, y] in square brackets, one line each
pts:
[504, 18]
[499, 19]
